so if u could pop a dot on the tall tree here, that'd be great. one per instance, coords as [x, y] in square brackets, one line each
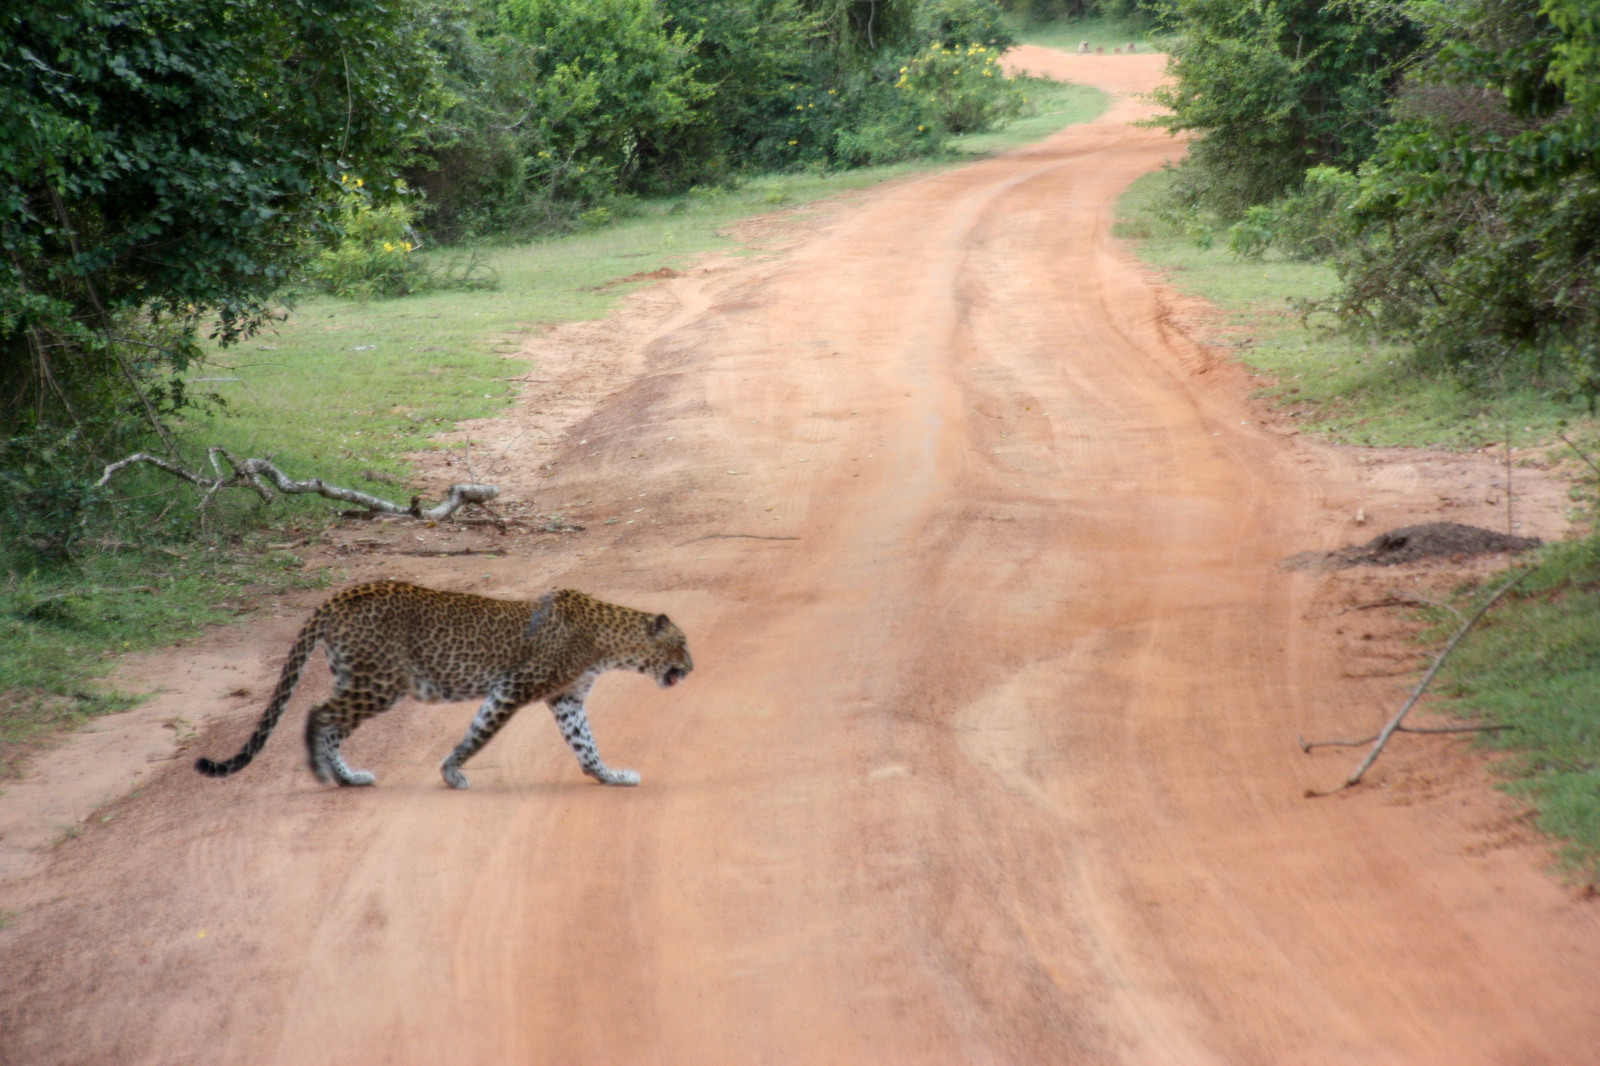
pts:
[1477, 224]
[1274, 87]
[160, 165]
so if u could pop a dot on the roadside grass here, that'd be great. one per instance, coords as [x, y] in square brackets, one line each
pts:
[1052, 106]
[61, 631]
[1102, 33]
[1533, 663]
[345, 390]
[1337, 386]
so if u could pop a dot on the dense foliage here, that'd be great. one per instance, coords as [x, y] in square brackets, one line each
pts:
[1442, 155]
[1041, 11]
[1474, 230]
[1275, 87]
[561, 109]
[163, 163]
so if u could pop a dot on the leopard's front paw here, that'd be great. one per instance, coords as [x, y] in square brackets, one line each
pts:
[617, 777]
[453, 775]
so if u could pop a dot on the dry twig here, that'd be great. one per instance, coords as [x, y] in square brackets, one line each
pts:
[1393, 725]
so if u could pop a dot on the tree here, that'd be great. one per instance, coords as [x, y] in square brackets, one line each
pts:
[163, 159]
[1477, 224]
[1275, 87]
[609, 85]
[162, 163]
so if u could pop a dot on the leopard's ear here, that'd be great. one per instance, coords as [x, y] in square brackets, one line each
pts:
[661, 624]
[541, 615]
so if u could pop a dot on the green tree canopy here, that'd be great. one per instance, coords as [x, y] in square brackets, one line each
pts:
[1476, 227]
[1275, 87]
[162, 162]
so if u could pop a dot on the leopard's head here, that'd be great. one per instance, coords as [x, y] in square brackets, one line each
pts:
[666, 655]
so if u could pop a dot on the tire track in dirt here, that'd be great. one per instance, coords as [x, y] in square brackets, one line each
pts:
[988, 757]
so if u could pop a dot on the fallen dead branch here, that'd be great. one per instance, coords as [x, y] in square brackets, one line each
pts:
[1393, 726]
[94, 590]
[262, 477]
[1307, 745]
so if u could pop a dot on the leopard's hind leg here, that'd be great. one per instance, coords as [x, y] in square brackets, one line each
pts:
[364, 684]
[353, 702]
[328, 724]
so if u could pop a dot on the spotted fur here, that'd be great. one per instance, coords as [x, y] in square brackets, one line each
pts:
[388, 639]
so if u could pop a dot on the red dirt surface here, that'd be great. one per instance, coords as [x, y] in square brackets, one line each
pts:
[990, 755]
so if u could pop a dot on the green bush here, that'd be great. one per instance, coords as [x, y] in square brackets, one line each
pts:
[959, 23]
[1474, 227]
[375, 252]
[609, 87]
[961, 90]
[1310, 225]
[1273, 87]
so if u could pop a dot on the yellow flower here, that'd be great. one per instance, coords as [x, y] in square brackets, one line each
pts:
[793, 143]
[406, 245]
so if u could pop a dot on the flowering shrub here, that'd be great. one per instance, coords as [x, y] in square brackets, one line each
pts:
[374, 255]
[961, 90]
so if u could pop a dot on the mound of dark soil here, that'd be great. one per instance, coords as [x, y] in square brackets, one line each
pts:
[1433, 540]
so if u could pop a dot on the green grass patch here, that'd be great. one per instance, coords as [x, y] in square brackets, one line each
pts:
[61, 631]
[1051, 106]
[1103, 33]
[1340, 387]
[1533, 664]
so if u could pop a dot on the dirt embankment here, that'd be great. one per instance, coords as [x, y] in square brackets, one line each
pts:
[990, 753]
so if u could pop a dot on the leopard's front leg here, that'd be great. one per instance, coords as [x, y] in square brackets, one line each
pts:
[497, 709]
[574, 723]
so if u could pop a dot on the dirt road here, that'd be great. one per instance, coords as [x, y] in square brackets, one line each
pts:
[989, 756]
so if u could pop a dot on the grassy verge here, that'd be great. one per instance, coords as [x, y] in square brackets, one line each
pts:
[62, 631]
[343, 391]
[1533, 665]
[1052, 105]
[1534, 662]
[1338, 386]
[1103, 33]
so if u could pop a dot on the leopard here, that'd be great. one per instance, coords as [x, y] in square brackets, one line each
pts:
[388, 639]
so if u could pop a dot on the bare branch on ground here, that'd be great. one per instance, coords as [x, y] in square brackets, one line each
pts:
[1393, 725]
[262, 477]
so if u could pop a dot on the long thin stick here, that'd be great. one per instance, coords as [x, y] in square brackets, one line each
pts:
[1511, 526]
[1307, 745]
[1394, 723]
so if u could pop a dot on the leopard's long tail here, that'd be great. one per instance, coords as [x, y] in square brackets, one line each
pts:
[303, 645]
